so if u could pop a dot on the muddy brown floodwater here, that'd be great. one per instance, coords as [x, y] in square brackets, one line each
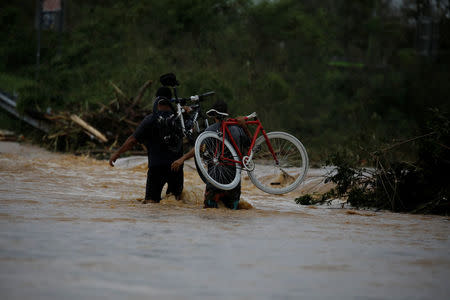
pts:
[74, 228]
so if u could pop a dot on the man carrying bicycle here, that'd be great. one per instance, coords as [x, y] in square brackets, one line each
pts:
[241, 135]
[164, 142]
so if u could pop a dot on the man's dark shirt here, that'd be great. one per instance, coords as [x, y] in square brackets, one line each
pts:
[159, 153]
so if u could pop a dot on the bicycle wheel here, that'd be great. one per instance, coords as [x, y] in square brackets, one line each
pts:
[200, 173]
[291, 169]
[221, 173]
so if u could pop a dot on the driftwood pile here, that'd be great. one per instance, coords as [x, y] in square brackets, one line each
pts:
[100, 130]
[6, 135]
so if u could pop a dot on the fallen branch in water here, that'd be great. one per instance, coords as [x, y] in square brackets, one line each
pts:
[107, 124]
[141, 92]
[6, 135]
[405, 142]
[89, 128]
[117, 89]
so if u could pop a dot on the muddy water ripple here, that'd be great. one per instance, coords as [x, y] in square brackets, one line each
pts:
[74, 228]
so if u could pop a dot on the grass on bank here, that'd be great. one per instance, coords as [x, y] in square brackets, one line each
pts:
[11, 84]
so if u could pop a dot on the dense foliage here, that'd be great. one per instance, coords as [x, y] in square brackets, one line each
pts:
[337, 74]
[421, 186]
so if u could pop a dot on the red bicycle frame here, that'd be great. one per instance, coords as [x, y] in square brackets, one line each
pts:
[226, 131]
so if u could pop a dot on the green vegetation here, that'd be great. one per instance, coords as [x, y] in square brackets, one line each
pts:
[12, 84]
[336, 74]
[345, 64]
[422, 186]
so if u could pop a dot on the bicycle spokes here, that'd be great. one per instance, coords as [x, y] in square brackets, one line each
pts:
[286, 172]
[218, 163]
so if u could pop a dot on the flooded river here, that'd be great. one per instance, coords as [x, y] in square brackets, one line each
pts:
[74, 228]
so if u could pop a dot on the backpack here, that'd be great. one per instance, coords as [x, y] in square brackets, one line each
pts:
[169, 131]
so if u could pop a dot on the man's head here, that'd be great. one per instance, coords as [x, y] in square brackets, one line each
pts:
[163, 96]
[220, 106]
[164, 104]
[164, 91]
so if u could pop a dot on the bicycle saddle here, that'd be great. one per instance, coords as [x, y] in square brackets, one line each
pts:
[216, 114]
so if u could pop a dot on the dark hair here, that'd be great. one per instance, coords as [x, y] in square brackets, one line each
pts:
[221, 106]
[164, 91]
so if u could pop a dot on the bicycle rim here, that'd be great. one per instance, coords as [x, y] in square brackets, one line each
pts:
[221, 173]
[291, 169]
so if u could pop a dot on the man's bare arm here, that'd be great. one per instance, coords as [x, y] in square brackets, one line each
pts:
[129, 143]
[177, 164]
[243, 125]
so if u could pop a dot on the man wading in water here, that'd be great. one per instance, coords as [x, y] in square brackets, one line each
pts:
[164, 142]
[242, 136]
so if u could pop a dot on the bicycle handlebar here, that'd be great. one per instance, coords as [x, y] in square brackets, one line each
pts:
[251, 116]
[195, 98]
[200, 97]
[207, 94]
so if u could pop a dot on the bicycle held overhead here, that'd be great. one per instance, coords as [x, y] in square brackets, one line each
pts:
[192, 124]
[276, 162]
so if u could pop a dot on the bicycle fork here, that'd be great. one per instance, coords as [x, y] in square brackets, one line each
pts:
[180, 115]
[269, 145]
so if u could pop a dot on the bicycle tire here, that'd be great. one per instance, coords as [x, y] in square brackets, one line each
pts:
[202, 177]
[213, 173]
[303, 168]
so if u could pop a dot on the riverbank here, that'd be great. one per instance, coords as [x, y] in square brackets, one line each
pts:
[72, 227]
